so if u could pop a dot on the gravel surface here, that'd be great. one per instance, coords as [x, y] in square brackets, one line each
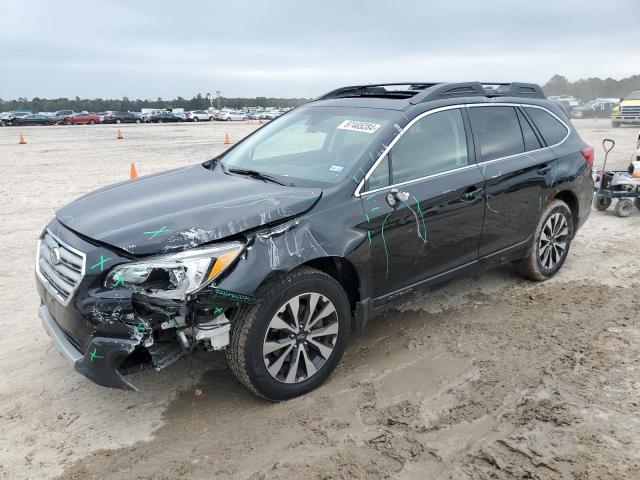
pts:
[488, 377]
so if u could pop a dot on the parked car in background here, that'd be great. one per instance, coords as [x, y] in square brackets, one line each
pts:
[34, 119]
[227, 115]
[594, 109]
[279, 248]
[628, 112]
[254, 115]
[8, 118]
[83, 118]
[197, 115]
[60, 115]
[165, 117]
[181, 115]
[270, 114]
[122, 117]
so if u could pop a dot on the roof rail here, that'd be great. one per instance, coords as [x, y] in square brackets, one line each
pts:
[378, 90]
[420, 92]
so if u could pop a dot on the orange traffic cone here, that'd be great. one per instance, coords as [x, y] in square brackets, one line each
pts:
[119, 135]
[226, 139]
[21, 141]
[133, 172]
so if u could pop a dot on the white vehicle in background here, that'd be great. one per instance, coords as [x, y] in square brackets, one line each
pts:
[228, 115]
[270, 114]
[197, 115]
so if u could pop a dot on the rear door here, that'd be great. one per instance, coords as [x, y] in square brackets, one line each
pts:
[423, 203]
[518, 171]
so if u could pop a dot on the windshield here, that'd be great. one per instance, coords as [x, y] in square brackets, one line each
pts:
[634, 96]
[319, 144]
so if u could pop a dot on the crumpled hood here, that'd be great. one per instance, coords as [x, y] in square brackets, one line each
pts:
[181, 208]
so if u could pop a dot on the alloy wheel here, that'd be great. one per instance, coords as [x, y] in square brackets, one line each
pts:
[553, 241]
[300, 338]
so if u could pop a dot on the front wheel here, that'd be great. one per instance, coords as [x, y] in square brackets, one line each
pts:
[289, 343]
[624, 207]
[550, 244]
[138, 120]
[196, 119]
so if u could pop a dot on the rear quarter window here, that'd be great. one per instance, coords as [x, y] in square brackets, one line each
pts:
[551, 129]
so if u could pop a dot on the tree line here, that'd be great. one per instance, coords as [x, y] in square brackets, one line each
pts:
[198, 102]
[583, 89]
[590, 88]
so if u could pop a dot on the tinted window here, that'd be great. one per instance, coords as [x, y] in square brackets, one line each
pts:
[497, 132]
[379, 178]
[435, 143]
[550, 128]
[531, 141]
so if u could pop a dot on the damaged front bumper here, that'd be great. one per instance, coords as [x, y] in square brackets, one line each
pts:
[102, 358]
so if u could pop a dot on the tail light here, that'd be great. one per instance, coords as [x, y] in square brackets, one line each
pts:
[587, 153]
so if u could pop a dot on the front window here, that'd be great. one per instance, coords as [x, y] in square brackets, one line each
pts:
[318, 144]
[634, 96]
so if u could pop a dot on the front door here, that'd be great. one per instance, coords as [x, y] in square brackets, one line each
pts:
[424, 203]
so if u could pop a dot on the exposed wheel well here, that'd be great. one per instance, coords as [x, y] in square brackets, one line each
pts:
[343, 272]
[571, 200]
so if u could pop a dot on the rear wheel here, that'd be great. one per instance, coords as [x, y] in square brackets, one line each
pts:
[636, 202]
[118, 121]
[196, 119]
[615, 124]
[92, 122]
[138, 120]
[290, 342]
[602, 203]
[624, 207]
[550, 244]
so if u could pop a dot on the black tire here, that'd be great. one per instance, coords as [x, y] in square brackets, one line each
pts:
[250, 327]
[601, 203]
[138, 120]
[636, 202]
[615, 124]
[92, 122]
[532, 266]
[624, 207]
[118, 121]
[196, 119]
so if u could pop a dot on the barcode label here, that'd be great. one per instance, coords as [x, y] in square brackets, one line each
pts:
[357, 126]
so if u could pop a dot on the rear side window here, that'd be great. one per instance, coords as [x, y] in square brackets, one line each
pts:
[434, 144]
[531, 141]
[550, 128]
[497, 131]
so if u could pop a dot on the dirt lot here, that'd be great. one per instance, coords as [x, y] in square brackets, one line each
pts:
[488, 377]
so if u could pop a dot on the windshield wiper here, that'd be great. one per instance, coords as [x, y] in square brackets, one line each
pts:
[255, 174]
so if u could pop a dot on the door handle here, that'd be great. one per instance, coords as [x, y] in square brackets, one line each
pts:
[470, 193]
[544, 170]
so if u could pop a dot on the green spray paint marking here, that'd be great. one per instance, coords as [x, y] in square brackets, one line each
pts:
[218, 310]
[421, 216]
[118, 279]
[384, 243]
[369, 197]
[140, 327]
[367, 217]
[369, 236]
[101, 263]
[94, 354]
[155, 233]
[255, 202]
[354, 179]
[375, 208]
[484, 169]
[233, 295]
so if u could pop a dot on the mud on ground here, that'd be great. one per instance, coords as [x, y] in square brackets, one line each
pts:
[488, 377]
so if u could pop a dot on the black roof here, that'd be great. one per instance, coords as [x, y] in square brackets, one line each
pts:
[420, 92]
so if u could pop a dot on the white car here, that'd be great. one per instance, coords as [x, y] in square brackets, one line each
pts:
[197, 115]
[227, 116]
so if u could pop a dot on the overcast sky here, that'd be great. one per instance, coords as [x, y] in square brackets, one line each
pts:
[302, 48]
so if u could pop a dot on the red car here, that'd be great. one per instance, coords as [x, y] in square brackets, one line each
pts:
[82, 119]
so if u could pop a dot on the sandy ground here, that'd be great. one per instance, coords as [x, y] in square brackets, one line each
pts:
[488, 377]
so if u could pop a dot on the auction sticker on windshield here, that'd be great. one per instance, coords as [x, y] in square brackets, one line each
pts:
[357, 126]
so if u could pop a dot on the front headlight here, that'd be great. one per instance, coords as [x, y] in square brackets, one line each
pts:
[615, 110]
[179, 273]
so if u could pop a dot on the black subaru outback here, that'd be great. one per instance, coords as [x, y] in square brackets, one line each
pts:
[282, 246]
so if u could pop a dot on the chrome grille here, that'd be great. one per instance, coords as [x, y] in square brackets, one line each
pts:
[59, 267]
[630, 110]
